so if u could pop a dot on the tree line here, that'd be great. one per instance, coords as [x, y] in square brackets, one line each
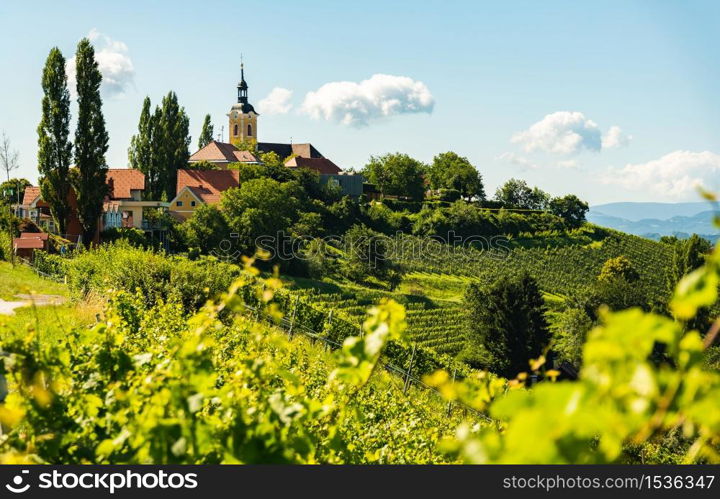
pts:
[450, 177]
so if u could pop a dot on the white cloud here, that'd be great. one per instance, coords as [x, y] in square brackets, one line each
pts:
[615, 138]
[562, 132]
[675, 176]
[277, 102]
[569, 163]
[522, 162]
[113, 61]
[358, 104]
[568, 132]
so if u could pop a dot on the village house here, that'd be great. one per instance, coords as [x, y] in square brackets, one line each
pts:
[124, 206]
[196, 187]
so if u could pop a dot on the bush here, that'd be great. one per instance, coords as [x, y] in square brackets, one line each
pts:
[134, 236]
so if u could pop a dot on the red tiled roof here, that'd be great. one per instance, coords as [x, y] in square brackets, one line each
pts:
[320, 165]
[208, 185]
[222, 152]
[123, 180]
[31, 194]
[28, 243]
[34, 235]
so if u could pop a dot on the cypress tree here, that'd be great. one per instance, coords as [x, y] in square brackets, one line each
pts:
[157, 165]
[174, 128]
[206, 134]
[140, 153]
[54, 148]
[91, 142]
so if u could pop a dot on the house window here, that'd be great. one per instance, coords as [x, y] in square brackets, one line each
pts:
[249, 130]
[236, 130]
[178, 203]
[192, 203]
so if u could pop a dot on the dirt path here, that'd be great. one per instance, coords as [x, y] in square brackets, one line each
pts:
[8, 307]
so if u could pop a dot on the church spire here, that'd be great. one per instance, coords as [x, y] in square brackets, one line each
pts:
[242, 86]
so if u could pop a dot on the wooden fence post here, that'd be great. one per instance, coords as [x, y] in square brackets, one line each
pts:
[292, 319]
[326, 339]
[409, 370]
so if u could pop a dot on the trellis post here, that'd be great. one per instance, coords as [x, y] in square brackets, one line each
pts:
[409, 370]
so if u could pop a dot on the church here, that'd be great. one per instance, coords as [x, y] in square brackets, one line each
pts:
[243, 129]
[196, 187]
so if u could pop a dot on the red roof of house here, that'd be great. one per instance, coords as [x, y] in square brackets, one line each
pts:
[31, 194]
[28, 243]
[208, 185]
[43, 236]
[223, 152]
[123, 180]
[320, 165]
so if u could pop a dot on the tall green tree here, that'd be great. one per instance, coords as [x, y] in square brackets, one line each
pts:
[206, 134]
[507, 319]
[54, 147]
[397, 174]
[173, 140]
[140, 153]
[451, 171]
[91, 142]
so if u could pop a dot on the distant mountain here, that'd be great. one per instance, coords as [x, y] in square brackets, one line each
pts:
[660, 211]
[669, 219]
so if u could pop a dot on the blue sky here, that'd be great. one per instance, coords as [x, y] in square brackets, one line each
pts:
[613, 101]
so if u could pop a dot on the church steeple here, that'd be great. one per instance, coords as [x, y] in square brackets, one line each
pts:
[242, 86]
[243, 118]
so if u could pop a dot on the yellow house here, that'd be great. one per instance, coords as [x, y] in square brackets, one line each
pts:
[196, 187]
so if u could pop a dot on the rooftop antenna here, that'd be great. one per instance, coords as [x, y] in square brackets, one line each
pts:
[222, 133]
[291, 139]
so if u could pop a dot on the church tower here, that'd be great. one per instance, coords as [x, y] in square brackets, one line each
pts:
[243, 118]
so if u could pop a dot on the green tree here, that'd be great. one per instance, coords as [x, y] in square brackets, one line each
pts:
[54, 147]
[12, 191]
[508, 320]
[618, 268]
[172, 139]
[397, 175]
[140, 153]
[368, 256]
[689, 255]
[206, 229]
[206, 134]
[202, 165]
[91, 142]
[450, 171]
[570, 208]
[517, 193]
[261, 207]
[570, 330]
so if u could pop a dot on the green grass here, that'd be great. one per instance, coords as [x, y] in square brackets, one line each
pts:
[437, 287]
[51, 322]
[22, 279]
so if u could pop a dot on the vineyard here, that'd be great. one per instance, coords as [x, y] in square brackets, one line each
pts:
[438, 327]
[436, 278]
[560, 270]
